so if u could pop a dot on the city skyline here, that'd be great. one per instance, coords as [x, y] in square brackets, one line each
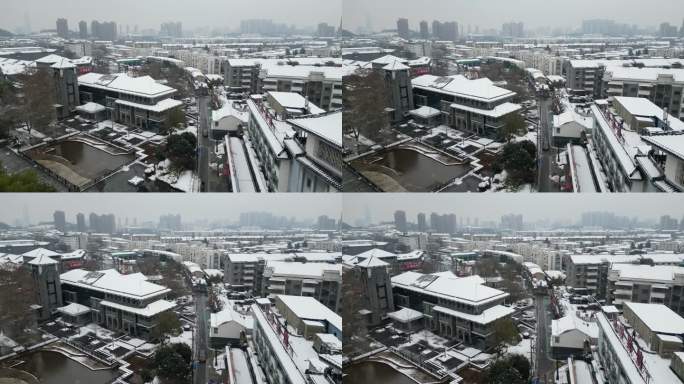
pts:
[489, 208]
[152, 13]
[383, 14]
[151, 207]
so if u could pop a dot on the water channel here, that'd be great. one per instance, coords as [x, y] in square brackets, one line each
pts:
[374, 372]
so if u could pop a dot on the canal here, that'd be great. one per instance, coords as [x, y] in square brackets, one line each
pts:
[374, 372]
[54, 368]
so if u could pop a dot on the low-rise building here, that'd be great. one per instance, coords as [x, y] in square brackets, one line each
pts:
[657, 284]
[126, 303]
[476, 106]
[322, 281]
[140, 102]
[462, 308]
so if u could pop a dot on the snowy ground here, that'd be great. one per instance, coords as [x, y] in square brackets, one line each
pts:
[522, 348]
[185, 337]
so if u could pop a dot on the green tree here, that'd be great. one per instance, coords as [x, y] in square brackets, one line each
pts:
[502, 371]
[176, 118]
[181, 150]
[25, 181]
[519, 161]
[9, 108]
[521, 364]
[172, 363]
[505, 331]
[514, 125]
[167, 324]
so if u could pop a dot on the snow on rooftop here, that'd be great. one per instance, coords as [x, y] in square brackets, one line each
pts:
[470, 289]
[74, 309]
[143, 85]
[327, 126]
[110, 281]
[308, 308]
[487, 316]
[659, 273]
[299, 269]
[40, 252]
[149, 310]
[43, 260]
[405, 315]
[425, 112]
[90, 107]
[671, 144]
[458, 85]
[161, 106]
[657, 317]
[498, 111]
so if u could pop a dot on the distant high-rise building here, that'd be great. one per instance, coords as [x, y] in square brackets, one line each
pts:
[400, 221]
[59, 221]
[422, 223]
[514, 222]
[171, 29]
[81, 223]
[668, 223]
[83, 29]
[325, 30]
[171, 222]
[513, 29]
[326, 223]
[424, 32]
[264, 27]
[436, 30]
[102, 223]
[668, 30]
[681, 30]
[403, 28]
[445, 31]
[103, 31]
[62, 28]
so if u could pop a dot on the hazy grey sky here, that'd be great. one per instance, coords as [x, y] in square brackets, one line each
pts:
[533, 206]
[383, 14]
[149, 206]
[151, 13]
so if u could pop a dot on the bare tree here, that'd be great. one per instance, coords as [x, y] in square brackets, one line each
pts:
[38, 107]
[365, 99]
[17, 294]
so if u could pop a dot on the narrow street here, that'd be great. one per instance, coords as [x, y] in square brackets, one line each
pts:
[200, 338]
[204, 144]
[546, 153]
[543, 365]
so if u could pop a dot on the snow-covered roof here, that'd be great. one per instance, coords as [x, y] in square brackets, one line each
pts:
[657, 317]
[308, 308]
[110, 281]
[90, 107]
[395, 66]
[161, 106]
[328, 126]
[570, 322]
[459, 86]
[40, 252]
[643, 74]
[389, 59]
[658, 258]
[149, 310]
[294, 100]
[377, 252]
[498, 111]
[303, 270]
[256, 257]
[43, 260]
[640, 106]
[405, 315]
[425, 112]
[74, 309]
[369, 262]
[655, 273]
[487, 316]
[144, 86]
[671, 144]
[470, 289]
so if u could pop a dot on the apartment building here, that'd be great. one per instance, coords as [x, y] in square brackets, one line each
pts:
[297, 341]
[45, 273]
[244, 271]
[461, 308]
[125, 303]
[621, 362]
[397, 75]
[664, 87]
[139, 102]
[591, 271]
[657, 284]
[476, 106]
[295, 155]
[321, 281]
